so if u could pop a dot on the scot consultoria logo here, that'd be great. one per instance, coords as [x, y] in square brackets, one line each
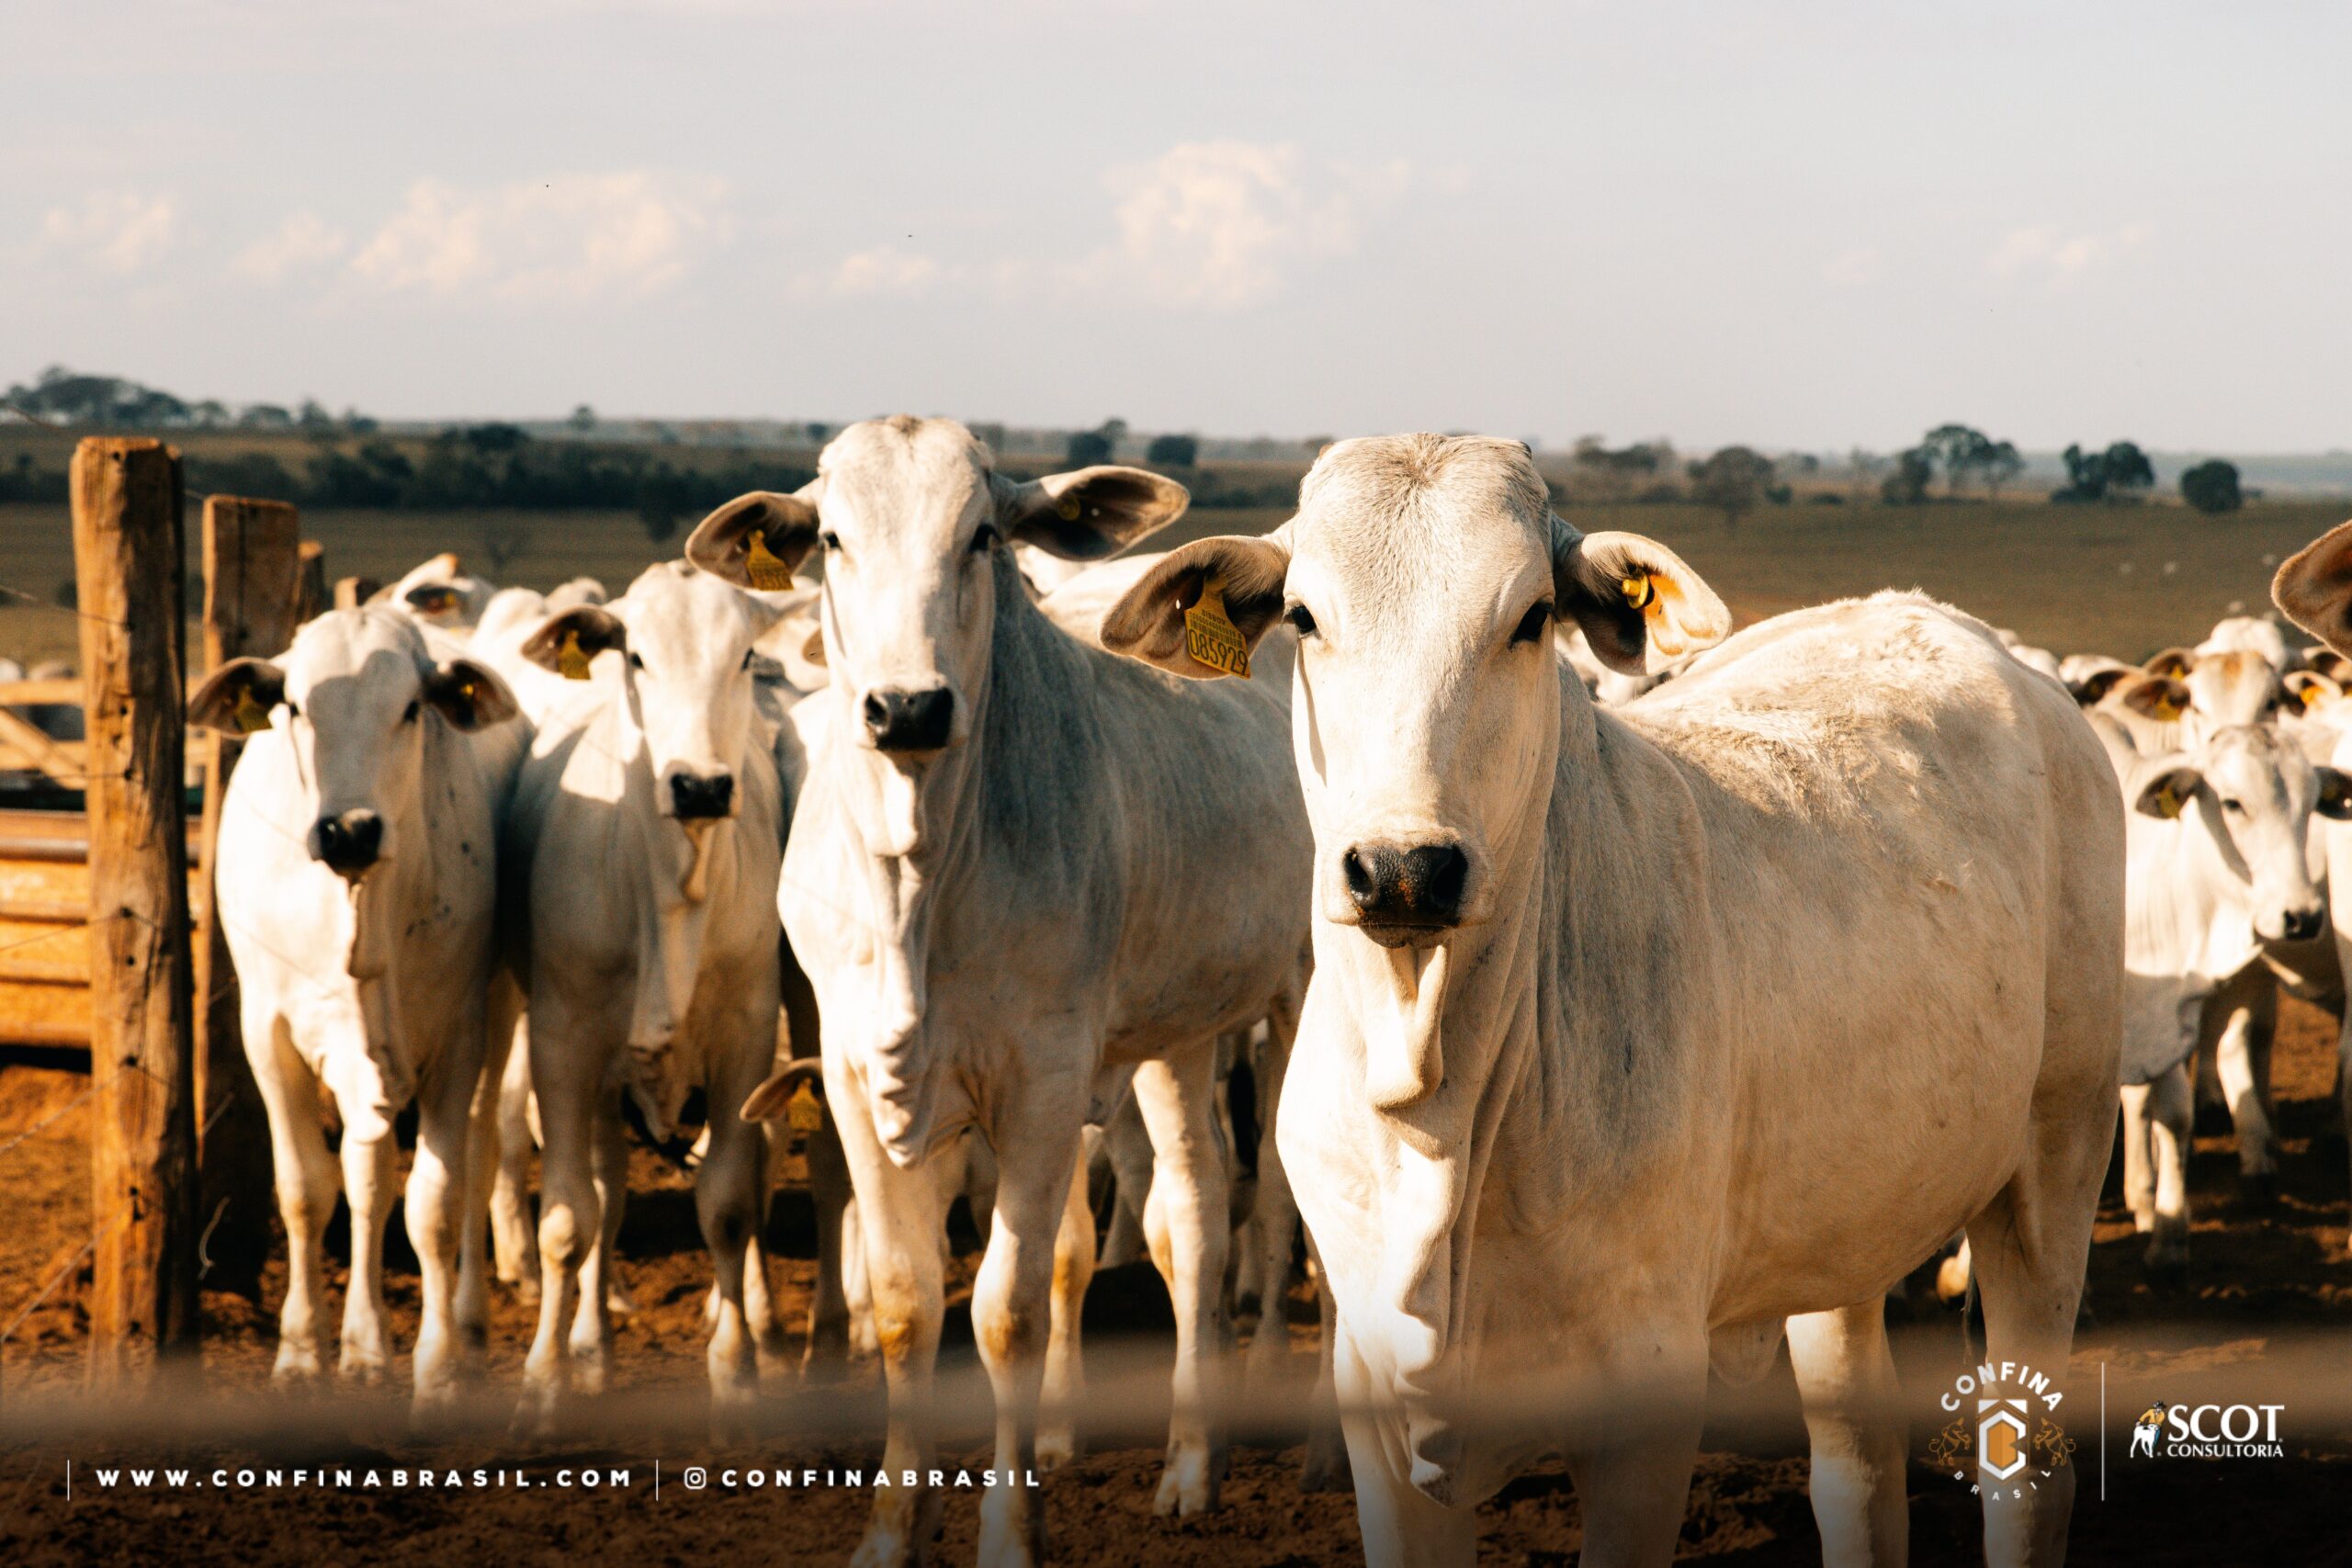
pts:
[2208, 1431]
[2004, 1439]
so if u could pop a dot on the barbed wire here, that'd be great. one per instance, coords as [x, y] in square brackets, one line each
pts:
[45, 1121]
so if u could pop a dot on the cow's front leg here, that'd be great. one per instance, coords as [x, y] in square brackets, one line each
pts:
[1273, 1224]
[437, 1214]
[827, 1354]
[1403, 1526]
[367, 1167]
[568, 1073]
[2242, 1062]
[1065, 1384]
[600, 1290]
[1186, 1223]
[2171, 1107]
[513, 1236]
[1012, 1307]
[726, 1191]
[307, 1181]
[899, 1217]
[1847, 1379]
[1633, 1475]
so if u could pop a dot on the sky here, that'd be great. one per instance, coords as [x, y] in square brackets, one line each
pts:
[1806, 224]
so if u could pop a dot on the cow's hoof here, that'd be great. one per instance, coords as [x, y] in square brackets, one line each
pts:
[434, 1409]
[1011, 1536]
[882, 1548]
[362, 1364]
[298, 1367]
[2258, 1189]
[2144, 1219]
[1188, 1487]
[1057, 1448]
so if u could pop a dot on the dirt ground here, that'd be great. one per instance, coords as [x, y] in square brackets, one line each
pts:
[2267, 1307]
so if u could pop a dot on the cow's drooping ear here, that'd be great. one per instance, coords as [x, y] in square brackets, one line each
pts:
[1149, 621]
[2094, 687]
[1091, 513]
[2335, 795]
[236, 699]
[794, 1091]
[2310, 689]
[2165, 791]
[2173, 662]
[758, 540]
[470, 695]
[1640, 604]
[566, 643]
[2159, 697]
[2314, 588]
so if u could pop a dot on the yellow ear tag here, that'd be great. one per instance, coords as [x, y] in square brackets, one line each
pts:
[803, 1113]
[1210, 636]
[1639, 590]
[2309, 695]
[2168, 802]
[251, 717]
[2166, 709]
[1068, 507]
[571, 659]
[764, 567]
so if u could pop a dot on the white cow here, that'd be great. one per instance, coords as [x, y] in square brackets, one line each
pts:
[1020, 867]
[1636, 1032]
[442, 593]
[2247, 634]
[2314, 588]
[357, 889]
[2220, 867]
[647, 830]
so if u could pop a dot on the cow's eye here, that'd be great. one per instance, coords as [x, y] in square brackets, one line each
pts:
[829, 541]
[1533, 625]
[749, 654]
[982, 538]
[408, 715]
[2229, 805]
[1301, 618]
[635, 662]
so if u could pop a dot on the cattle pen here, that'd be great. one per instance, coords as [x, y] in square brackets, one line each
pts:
[116, 995]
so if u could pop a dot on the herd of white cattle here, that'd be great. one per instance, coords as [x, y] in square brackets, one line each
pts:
[1625, 1037]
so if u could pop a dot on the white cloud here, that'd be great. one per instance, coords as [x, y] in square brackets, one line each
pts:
[886, 271]
[303, 244]
[574, 238]
[1217, 224]
[2056, 256]
[1851, 269]
[120, 232]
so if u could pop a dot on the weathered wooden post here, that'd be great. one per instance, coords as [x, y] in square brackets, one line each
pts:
[252, 590]
[313, 601]
[125, 494]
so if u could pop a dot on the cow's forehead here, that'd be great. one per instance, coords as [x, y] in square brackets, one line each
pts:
[673, 602]
[2247, 755]
[1421, 517]
[903, 473]
[377, 646]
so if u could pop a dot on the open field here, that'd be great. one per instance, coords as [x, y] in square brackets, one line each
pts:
[2263, 1316]
[2122, 581]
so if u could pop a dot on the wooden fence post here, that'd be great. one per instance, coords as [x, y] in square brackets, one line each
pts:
[128, 570]
[313, 599]
[252, 592]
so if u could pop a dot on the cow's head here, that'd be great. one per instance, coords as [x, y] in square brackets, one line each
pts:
[909, 518]
[353, 695]
[2255, 792]
[680, 644]
[1423, 574]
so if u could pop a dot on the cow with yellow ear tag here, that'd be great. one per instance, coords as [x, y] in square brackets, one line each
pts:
[2314, 587]
[357, 890]
[1635, 1030]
